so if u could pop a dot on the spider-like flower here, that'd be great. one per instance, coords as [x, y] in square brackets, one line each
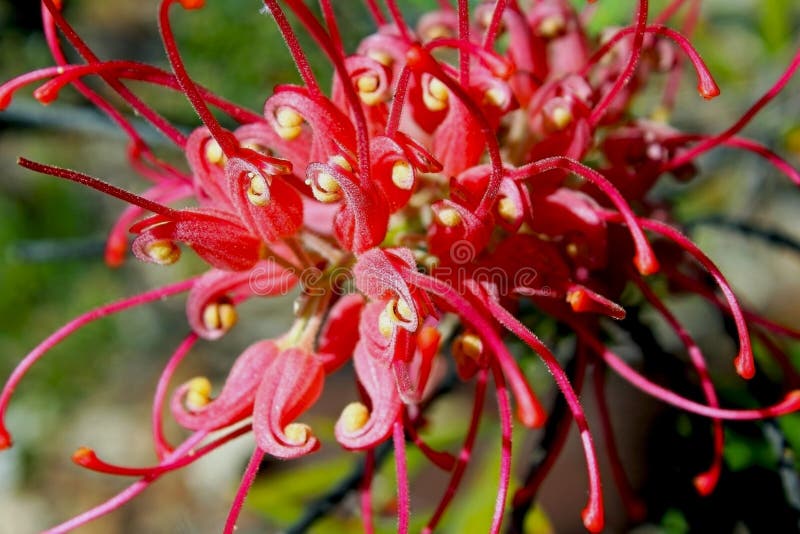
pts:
[443, 176]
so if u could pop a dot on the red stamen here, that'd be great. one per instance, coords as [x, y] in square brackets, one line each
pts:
[365, 492]
[225, 139]
[504, 408]
[717, 140]
[162, 446]
[65, 331]
[354, 102]
[494, 24]
[396, 110]
[48, 92]
[744, 363]
[789, 404]
[634, 506]
[705, 482]
[397, 18]
[636, 52]
[290, 38]
[498, 65]
[401, 467]
[247, 481]
[148, 113]
[441, 459]
[593, 515]
[749, 145]
[420, 60]
[333, 27]
[463, 36]
[465, 453]
[529, 409]
[375, 11]
[706, 85]
[51, 36]
[98, 185]
[125, 495]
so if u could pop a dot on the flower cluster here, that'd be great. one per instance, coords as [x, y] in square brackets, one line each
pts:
[444, 177]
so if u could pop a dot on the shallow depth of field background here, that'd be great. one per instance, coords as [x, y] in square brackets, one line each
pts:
[95, 388]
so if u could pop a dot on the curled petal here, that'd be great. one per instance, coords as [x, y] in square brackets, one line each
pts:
[262, 198]
[422, 160]
[209, 302]
[379, 274]
[362, 220]
[235, 401]
[290, 108]
[288, 388]
[455, 225]
[393, 171]
[362, 427]
[205, 159]
[215, 235]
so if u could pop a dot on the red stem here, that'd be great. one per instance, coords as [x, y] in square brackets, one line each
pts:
[624, 78]
[719, 139]
[162, 446]
[140, 107]
[706, 85]
[401, 467]
[465, 453]
[494, 24]
[99, 185]
[249, 476]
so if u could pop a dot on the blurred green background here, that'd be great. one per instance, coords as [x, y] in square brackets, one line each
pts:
[95, 388]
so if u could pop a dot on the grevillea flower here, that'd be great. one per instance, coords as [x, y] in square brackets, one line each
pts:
[444, 184]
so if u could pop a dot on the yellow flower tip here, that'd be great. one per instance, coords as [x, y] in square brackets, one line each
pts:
[325, 189]
[367, 83]
[572, 249]
[297, 433]
[400, 311]
[403, 175]
[381, 57]
[467, 345]
[437, 31]
[198, 393]
[561, 117]
[448, 217]
[385, 324]
[289, 122]
[163, 252]
[496, 97]
[367, 86]
[213, 153]
[436, 97]
[552, 26]
[220, 315]
[507, 209]
[258, 190]
[354, 417]
[341, 162]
